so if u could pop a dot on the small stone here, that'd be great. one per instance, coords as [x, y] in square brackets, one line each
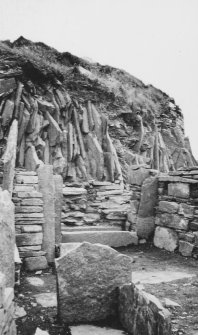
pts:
[35, 281]
[41, 332]
[185, 248]
[19, 312]
[46, 299]
[165, 238]
[172, 221]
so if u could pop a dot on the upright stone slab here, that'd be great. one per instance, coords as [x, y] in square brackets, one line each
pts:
[145, 221]
[88, 277]
[58, 182]
[7, 237]
[46, 187]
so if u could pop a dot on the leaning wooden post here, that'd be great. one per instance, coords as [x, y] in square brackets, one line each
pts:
[9, 158]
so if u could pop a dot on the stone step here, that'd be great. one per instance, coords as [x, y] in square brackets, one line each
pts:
[65, 228]
[111, 238]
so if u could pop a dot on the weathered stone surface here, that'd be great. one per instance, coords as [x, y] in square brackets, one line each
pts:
[186, 248]
[145, 219]
[195, 234]
[180, 180]
[168, 207]
[31, 202]
[58, 184]
[31, 229]
[30, 247]
[145, 226]
[179, 190]
[29, 239]
[193, 225]
[32, 194]
[74, 191]
[91, 272]
[112, 238]
[171, 220]
[94, 330]
[28, 215]
[189, 237]
[141, 313]
[25, 179]
[136, 177]
[165, 238]
[35, 263]
[7, 237]
[28, 209]
[7, 84]
[186, 210]
[24, 188]
[32, 253]
[46, 186]
[7, 112]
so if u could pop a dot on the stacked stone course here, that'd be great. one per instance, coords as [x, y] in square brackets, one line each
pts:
[29, 219]
[177, 212]
[96, 203]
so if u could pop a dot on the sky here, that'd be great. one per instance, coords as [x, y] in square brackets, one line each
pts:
[154, 40]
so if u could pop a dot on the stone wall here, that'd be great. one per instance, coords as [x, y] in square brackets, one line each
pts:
[95, 204]
[177, 213]
[29, 219]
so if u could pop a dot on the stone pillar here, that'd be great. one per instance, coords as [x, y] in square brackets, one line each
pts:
[58, 183]
[7, 237]
[46, 187]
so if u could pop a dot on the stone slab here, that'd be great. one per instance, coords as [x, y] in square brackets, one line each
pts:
[24, 179]
[111, 238]
[172, 221]
[29, 239]
[168, 207]
[67, 191]
[91, 272]
[186, 248]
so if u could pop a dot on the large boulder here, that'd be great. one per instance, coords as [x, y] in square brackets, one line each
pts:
[88, 277]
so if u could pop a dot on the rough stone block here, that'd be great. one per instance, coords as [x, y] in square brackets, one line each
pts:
[29, 239]
[32, 202]
[186, 210]
[141, 313]
[168, 207]
[31, 229]
[195, 234]
[193, 225]
[186, 248]
[148, 197]
[28, 209]
[179, 190]
[171, 220]
[165, 238]
[35, 263]
[91, 273]
[32, 194]
[24, 179]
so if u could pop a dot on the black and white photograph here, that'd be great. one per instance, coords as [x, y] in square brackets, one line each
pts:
[99, 167]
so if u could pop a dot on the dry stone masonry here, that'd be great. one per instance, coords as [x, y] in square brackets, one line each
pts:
[29, 219]
[176, 218]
